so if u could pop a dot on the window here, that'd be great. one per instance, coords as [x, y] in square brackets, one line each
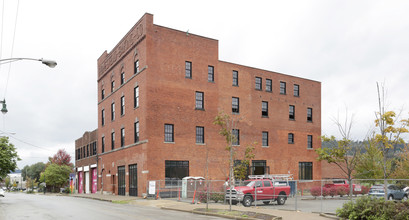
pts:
[136, 67]
[113, 111]
[200, 135]
[290, 138]
[87, 150]
[309, 114]
[235, 137]
[103, 117]
[296, 90]
[309, 141]
[122, 78]
[169, 137]
[175, 171]
[235, 78]
[103, 144]
[267, 183]
[282, 88]
[94, 148]
[136, 131]
[122, 137]
[102, 94]
[269, 85]
[210, 73]
[112, 86]
[305, 170]
[83, 152]
[258, 83]
[113, 140]
[264, 109]
[188, 69]
[136, 97]
[235, 107]
[122, 105]
[265, 138]
[199, 100]
[291, 113]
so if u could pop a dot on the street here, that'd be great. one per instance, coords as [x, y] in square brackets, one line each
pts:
[36, 206]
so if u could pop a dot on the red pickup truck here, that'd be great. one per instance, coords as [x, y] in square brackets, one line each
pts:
[343, 183]
[266, 190]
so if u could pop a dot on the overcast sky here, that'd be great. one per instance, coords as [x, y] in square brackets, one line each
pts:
[346, 45]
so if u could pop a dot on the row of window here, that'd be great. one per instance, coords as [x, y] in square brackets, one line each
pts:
[136, 70]
[235, 106]
[176, 170]
[200, 137]
[86, 151]
[235, 80]
[135, 134]
[135, 105]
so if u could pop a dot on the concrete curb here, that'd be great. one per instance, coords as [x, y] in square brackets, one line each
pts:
[217, 215]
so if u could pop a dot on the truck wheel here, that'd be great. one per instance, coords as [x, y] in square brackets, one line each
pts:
[281, 199]
[247, 201]
[266, 202]
[405, 198]
[390, 198]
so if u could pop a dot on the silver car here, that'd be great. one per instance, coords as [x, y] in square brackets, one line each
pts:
[393, 192]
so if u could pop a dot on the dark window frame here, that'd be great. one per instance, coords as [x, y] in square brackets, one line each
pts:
[264, 109]
[264, 139]
[200, 138]
[113, 140]
[136, 66]
[112, 86]
[122, 105]
[136, 97]
[235, 137]
[291, 112]
[122, 137]
[122, 78]
[235, 74]
[188, 69]
[283, 88]
[169, 133]
[269, 85]
[290, 138]
[136, 132]
[103, 117]
[305, 170]
[296, 90]
[235, 105]
[175, 171]
[258, 83]
[210, 73]
[309, 114]
[309, 142]
[102, 144]
[113, 111]
[199, 100]
[102, 94]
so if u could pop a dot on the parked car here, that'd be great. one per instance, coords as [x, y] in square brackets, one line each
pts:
[343, 183]
[393, 192]
[259, 189]
[1, 192]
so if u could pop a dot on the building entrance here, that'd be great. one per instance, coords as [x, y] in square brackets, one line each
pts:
[133, 180]
[121, 180]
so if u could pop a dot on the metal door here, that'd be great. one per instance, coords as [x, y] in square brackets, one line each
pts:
[133, 180]
[121, 180]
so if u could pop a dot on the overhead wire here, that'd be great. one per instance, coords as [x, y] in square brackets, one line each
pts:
[25, 142]
[12, 48]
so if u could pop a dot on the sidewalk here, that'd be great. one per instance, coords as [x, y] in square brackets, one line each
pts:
[187, 207]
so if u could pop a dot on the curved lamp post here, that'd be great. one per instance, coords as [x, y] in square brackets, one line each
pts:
[49, 63]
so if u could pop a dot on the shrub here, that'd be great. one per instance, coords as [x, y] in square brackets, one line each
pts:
[367, 207]
[342, 191]
[315, 191]
[203, 196]
[217, 197]
[364, 190]
[333, 191]
[325, 191]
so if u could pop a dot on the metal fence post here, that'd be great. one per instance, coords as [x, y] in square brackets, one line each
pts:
[296, 184]
[255, 195]
[321, 196]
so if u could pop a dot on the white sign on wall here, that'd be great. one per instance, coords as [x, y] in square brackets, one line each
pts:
[152, 187]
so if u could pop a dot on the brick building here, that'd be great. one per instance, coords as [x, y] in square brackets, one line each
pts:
[159, 91]
[86, 162]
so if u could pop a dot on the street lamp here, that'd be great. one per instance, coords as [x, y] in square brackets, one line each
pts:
[4, 108]
[49, 63]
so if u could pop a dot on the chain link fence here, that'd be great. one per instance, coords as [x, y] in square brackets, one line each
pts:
[323, 196]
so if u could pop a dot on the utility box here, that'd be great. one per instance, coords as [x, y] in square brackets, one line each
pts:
[190, 184]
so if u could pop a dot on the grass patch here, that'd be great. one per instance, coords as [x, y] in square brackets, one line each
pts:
[239, 214]
[121, 201]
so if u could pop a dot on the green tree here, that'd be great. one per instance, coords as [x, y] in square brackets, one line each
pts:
[7, 182]
[344, 153]
[390, 133]
[370, 163]
[402, 165]
[55, 175]
[8, 157]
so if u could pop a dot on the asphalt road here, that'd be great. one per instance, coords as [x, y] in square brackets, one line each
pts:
[28, 206]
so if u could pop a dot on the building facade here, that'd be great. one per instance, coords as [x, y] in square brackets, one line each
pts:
[86, 162]
[159, 91]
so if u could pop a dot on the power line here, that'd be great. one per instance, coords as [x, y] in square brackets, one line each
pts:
[25, 142]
